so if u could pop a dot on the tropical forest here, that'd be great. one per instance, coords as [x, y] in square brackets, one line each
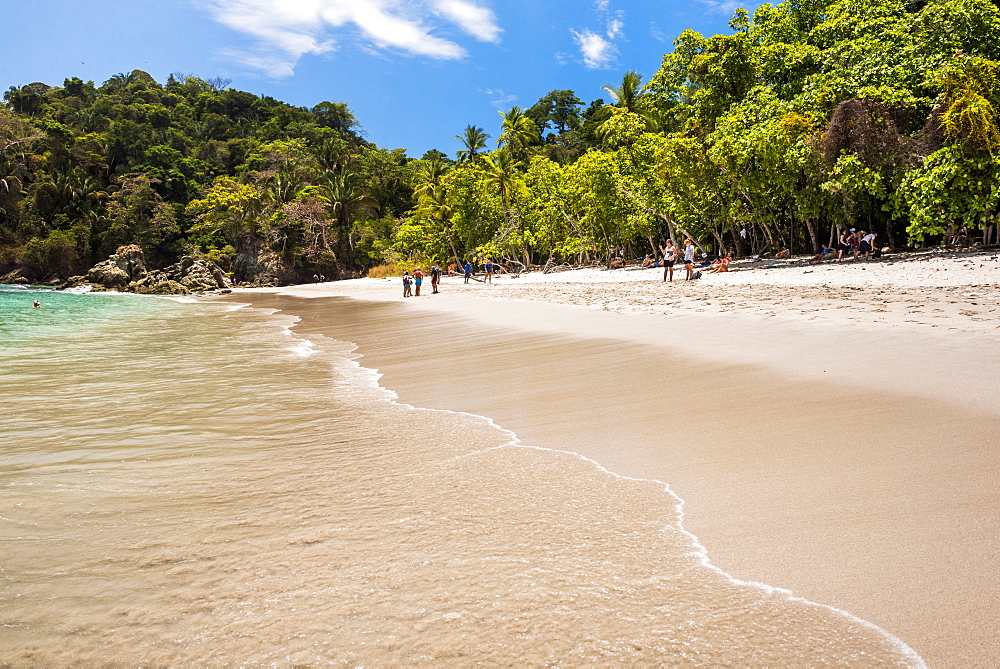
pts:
[809, 117]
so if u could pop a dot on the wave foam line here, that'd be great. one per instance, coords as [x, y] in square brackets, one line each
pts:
[372, 376]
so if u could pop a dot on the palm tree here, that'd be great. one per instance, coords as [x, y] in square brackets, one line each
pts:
[88, 120]
[629, 96]
[502, 173]
[629, 93]
[519, 132]
[474, 139]
[429, 175]
[346, 197]
[121, 80]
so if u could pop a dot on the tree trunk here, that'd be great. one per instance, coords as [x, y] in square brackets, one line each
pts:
[741, 250]
[670, 228]
[812, 225]
[720, 241]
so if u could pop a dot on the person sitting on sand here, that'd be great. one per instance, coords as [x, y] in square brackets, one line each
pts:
[962, 236]
[720, 265]
[617, 263]
[647, 261]
[825, 254]
[783, 254]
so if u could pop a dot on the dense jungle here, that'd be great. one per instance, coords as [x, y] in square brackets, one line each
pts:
[808, 117]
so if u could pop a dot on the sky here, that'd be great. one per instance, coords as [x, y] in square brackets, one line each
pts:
[414, 72]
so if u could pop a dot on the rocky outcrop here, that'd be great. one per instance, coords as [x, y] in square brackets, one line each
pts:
[126, 265]
[257, 266]
[17, 276]
[125, 270]
[196, 274]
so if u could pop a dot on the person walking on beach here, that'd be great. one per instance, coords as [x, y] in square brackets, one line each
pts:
[407, 282]
[435, 278]
[418, 278]
[467, 268]
[689, 259]
[669, 258]
[488, 268]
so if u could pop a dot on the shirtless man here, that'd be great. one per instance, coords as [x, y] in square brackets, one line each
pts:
[418, 278]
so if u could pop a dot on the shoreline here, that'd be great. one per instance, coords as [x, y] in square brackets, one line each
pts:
[824, 519]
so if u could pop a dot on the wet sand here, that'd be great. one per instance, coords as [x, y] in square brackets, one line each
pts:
[862, 481]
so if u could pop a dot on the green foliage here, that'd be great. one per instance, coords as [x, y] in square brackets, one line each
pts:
[807, 115]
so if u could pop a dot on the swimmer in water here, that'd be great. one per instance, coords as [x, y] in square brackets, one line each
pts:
[37, 305]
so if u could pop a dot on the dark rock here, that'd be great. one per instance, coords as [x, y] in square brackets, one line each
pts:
[195, 274]
[123, 267]
[152, 286]
[16, 277]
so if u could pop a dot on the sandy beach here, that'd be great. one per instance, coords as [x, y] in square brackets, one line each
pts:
[831, 428]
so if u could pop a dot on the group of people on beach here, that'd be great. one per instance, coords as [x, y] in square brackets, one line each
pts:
[413, 282]
[670, 255]
[857, 243]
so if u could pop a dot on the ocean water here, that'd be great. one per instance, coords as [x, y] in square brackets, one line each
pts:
[188, 482]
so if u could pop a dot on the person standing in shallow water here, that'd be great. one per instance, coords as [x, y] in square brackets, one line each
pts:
[669, 258]
[689, 259]
[407, 282]
[418, 278]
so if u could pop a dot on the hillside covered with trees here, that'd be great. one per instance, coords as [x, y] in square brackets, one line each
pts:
[875, 114]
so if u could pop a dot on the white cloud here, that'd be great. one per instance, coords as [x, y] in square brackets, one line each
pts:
[615, 28]
[500, 99]
[596, 50]
[286, 30]
[726, 7]
[658, 33]
[470, 17]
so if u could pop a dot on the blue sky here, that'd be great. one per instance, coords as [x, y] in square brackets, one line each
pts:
[414, 72]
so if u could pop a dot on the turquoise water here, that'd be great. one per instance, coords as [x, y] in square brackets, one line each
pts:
[64, 312]
[192, 483]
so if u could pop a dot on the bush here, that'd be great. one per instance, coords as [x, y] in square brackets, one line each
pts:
[55, 254]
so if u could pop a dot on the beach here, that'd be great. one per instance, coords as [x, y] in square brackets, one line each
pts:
[831, 429]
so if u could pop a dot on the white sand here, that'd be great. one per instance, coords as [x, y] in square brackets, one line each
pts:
[853, 458]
